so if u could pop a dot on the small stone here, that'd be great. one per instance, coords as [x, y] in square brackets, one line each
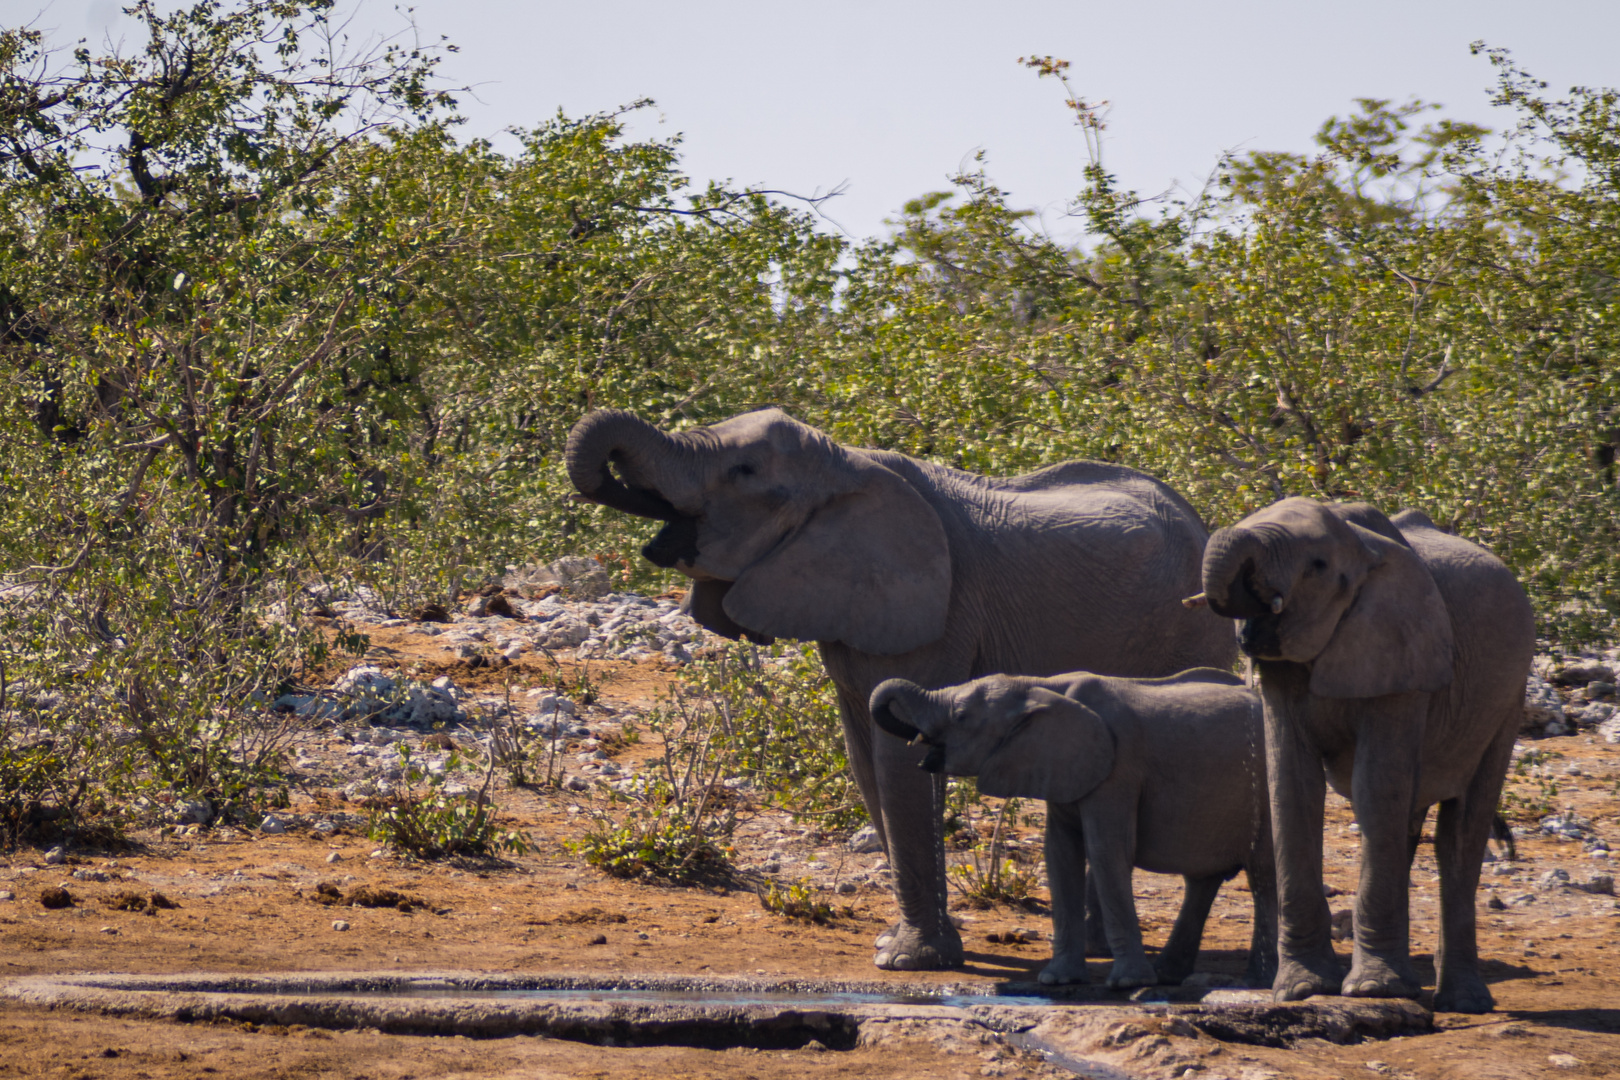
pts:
[1598, 884]
[1495, 904]
[55, 857]
[1563, 1061]
[272, 825]
[1344, 925]
[379, 853]
[847, 888]
[335, 856]
[339, 924]
[6, 894]
[55, 898]
[1555, 878]
[1584, 675]
[865, 841]
[1596, 691]
[599, 939]
[108, 930]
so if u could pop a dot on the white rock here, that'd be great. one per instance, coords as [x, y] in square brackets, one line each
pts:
[55, 857]
[365, 679]
[865, 841]
[336, 856]
[339, 924]
[307, 706]
[1542, 705]
[272, 825]
[193, 812]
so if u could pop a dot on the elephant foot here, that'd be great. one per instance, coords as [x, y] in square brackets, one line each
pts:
[1296, 980]
[1173, 970]
[1065, 970]
[903, 947]
[1463, 993]
[1130, 973]
[1373, 976]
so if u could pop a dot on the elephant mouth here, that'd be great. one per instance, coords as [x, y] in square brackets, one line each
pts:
[675, 546]
[1259, 639]
[934, 760]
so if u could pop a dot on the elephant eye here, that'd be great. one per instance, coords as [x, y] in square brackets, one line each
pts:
[1318, 565]
[739, 470]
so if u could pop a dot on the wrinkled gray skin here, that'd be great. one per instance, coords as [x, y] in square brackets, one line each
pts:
[1165, 774]
[1392, 658]
[901, 568]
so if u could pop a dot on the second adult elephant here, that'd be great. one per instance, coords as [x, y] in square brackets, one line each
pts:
[900, 568]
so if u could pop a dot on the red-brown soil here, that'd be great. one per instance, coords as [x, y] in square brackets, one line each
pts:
[247, 903]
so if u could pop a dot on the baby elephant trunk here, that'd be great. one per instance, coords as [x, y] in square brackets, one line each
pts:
[905, 710]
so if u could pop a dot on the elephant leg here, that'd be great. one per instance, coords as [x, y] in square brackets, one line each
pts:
[913, 806]
[858, 745]
[1305, 961]
[1262, 873]
[1180, 953]
[1461, 831]
[1071, 889]
[1096, 929]
[1383, 790]
[1111, 848]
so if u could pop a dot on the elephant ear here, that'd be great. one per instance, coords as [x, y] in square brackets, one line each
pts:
[1396, 635]
[705, 603]
[870, 568]
[1060, 752]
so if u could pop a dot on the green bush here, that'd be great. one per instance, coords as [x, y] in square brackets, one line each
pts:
[420, 818]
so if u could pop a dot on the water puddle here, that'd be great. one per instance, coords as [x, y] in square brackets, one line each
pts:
[809, 999]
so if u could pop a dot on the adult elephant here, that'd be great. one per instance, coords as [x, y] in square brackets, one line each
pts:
[1392, 658]
[899, 568]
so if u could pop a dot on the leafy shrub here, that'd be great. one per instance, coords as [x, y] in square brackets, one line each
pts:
[990, 877]
[777, 726]
[422, 819]
[654, 837]
[796, 901]
[676, 825]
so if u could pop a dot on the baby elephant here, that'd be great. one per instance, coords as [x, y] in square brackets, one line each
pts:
[1165, 774]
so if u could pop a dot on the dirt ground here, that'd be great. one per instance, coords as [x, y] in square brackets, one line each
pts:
[248, 903]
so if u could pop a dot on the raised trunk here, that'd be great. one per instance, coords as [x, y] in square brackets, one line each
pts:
[641, 452]
[1231, 559]
[904, 709]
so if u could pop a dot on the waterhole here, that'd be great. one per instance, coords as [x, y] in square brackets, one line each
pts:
[718, 1013]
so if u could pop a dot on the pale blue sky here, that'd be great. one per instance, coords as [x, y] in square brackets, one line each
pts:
[893, 97]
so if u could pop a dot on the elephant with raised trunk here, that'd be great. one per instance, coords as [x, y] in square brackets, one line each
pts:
[1164, 774]
[901, 568]
[1392, 660]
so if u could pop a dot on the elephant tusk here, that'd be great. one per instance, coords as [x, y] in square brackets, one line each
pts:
[918, 741]
[1277, 604]
[1196, 601]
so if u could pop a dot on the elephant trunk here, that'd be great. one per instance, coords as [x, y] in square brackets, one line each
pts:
[904, 709]
[1232, 560]
[641, 452]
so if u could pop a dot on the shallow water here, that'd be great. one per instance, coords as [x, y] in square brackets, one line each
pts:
[805, 998]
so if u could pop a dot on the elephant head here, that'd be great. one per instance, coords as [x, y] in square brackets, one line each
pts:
[1335, 587]
[1018, 737]
[784, 532]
